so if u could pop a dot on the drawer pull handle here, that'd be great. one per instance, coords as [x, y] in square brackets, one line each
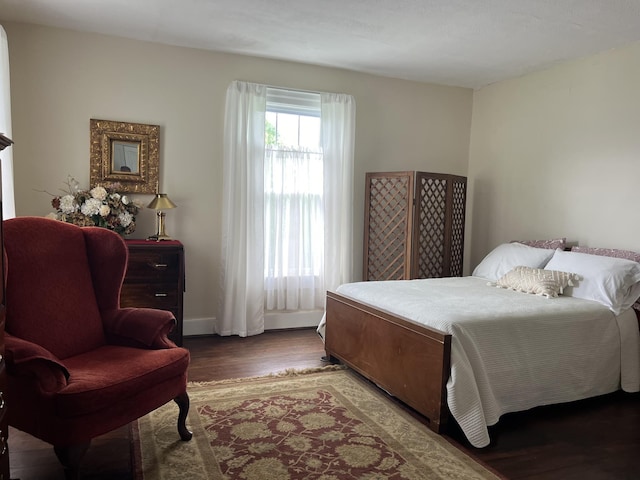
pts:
[160, 265]
[162, 294]
[1, 400]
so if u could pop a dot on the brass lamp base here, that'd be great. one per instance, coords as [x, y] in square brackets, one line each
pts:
[158, 238]
[160, 233]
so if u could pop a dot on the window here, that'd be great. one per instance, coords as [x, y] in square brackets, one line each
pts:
[293, 201]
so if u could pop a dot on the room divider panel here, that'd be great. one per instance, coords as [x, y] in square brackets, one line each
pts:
[414, 225]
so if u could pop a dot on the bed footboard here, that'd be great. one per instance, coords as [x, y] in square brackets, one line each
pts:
[409, 361]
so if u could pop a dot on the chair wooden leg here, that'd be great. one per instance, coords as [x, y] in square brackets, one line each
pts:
[70, 457]
[183, 404]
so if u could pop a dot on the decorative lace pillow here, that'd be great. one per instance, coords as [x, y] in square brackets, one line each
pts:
[548, 283]
[552, 244]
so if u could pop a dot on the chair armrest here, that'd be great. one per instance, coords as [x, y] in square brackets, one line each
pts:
[146, 327]
[29, 359]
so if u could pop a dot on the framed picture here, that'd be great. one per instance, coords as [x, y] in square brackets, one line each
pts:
[127, 153]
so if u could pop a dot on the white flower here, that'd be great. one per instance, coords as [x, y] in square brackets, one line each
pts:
[104, 210]
[125, 219]
[52, 216]
[91, 207]
[99, 192]
[68, 204]
[74, 186]
[125, 200]
[115, 196]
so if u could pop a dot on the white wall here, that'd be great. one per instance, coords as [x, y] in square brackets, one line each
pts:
[60, 79]
[557, 153]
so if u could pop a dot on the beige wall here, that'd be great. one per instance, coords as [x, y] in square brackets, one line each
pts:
[557, 153]
[60, 79]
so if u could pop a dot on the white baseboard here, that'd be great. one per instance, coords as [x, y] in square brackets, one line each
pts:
[272, 321]
[278, 321]
[198, 326]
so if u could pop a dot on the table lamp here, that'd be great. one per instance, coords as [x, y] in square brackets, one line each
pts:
[160, 202]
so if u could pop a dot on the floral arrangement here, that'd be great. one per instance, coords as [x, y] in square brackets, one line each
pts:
[102, 206]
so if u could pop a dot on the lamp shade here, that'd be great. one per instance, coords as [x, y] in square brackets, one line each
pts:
[161, 202]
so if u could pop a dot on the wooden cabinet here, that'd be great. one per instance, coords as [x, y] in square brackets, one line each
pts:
[155, 278]
[414, 225]
[4, 422]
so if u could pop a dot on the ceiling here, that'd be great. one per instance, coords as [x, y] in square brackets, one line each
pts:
[468, 43]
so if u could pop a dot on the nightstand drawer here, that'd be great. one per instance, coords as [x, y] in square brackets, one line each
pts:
[153, 266]
[153, 295]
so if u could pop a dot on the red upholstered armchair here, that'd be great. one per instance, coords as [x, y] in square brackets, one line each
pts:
[79, 365]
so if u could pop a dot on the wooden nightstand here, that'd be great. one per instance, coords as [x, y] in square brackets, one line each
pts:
[155, 279]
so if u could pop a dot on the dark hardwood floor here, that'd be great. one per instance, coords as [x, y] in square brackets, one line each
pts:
[596, 439]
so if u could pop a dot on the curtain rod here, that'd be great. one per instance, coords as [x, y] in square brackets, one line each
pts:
[276, 87]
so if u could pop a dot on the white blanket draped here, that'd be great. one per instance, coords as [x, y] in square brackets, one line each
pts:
[512, 351]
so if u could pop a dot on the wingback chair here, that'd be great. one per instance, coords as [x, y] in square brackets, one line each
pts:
[78, 365]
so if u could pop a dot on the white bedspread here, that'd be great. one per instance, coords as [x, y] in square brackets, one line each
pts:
[512, 351]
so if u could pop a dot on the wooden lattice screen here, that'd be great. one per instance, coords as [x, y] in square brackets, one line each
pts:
[439, 225]
[413, 239]
[388, 223]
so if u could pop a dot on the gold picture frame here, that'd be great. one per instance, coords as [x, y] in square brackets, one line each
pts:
[126, 153]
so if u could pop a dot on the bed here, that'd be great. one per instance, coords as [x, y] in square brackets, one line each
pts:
[461, 347]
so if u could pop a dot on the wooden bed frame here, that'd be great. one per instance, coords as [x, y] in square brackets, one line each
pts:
[409, 361]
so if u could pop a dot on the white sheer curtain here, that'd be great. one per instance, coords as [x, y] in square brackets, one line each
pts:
[6, 156]
[284, 280]
[242, 302]
[294, 237]
[338, 143]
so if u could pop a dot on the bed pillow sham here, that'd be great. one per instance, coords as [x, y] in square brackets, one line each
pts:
[537, 281]
[613, 282]
[608, 252]
[617, 253]
[507, 256]
[552, 244]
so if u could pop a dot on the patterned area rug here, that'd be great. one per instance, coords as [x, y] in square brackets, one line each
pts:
[327, 425]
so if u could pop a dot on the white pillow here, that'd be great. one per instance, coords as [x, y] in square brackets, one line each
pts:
[613, 282]
[507, 256]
